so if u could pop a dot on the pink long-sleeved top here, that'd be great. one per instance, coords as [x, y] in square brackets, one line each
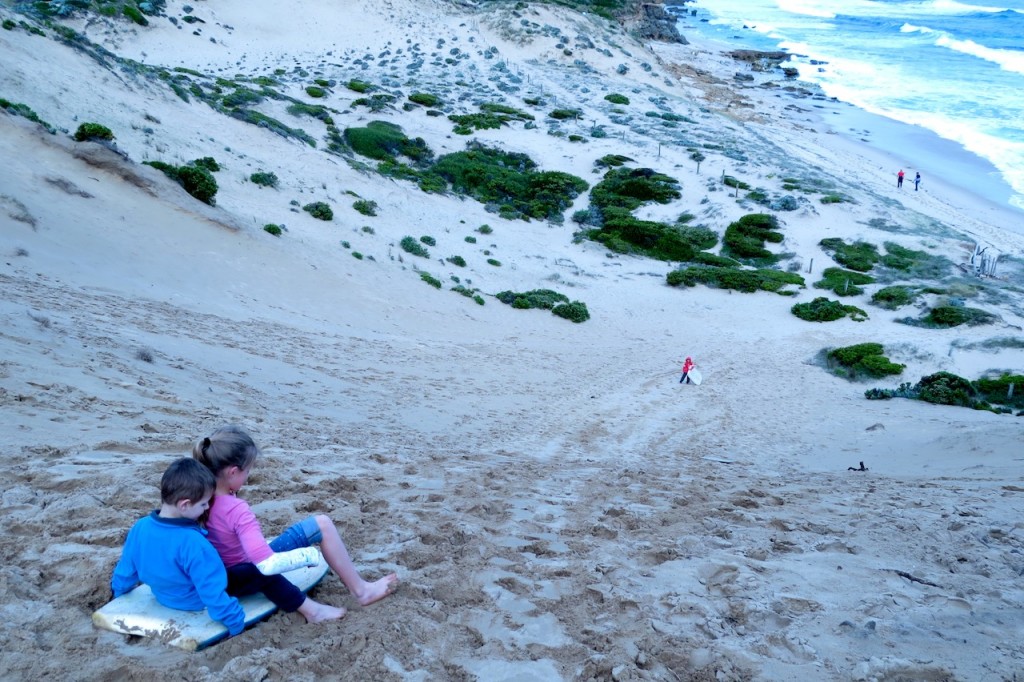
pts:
[235, 532]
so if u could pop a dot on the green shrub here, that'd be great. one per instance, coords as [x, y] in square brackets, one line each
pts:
[272, 229]
[411, 245]
[135, 15]
[93, 131]
[745, 238]
[425, 99]
[704, 258]
[843, 282]
[25, 111]
[428, 240]
[834, 199]
[357, 85]
[384, 141]
[997, 390]
[575, 312]
[319, 210]
[954, 316]
[822, 309]
[510, 181]
[893, 297]
[315, 91]
[317, 111]
[366, 207]
[612, 161]
[485, 229]
[457, 260]
[470, 239]
[746, 281]
[616, 98]
[495, 262]
[264, 179]
[430, 279]
[357, 255]
[505, 110]
[630, 188]
[865, 359]
[562, 114]
[915, 263]
[9, 25]
[198, 182]
[859, 256]
[623, 233]
[207, 162]
[944, 388]
[536, 298]
[730, 181]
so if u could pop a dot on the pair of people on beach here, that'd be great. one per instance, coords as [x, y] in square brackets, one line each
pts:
[191, 568]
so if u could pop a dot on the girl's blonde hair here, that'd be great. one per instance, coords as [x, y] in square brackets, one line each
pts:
[228, 446]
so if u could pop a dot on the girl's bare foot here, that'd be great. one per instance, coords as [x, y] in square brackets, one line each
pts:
[377, 590]
[315, 612]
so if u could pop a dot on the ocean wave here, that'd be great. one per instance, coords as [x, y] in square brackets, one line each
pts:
[1008, 60]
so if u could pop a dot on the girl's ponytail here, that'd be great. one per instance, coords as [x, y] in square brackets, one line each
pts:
[228, 446]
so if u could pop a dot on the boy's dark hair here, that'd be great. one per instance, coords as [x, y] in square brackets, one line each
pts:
[186, 479]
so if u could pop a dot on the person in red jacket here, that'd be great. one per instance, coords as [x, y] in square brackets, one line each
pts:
[687, 366]
[899, 179]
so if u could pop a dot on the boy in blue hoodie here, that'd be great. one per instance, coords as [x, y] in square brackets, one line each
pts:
[168, 550]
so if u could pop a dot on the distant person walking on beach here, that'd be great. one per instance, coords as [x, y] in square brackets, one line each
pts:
[899, 179]
[917, 180]
[687, 366]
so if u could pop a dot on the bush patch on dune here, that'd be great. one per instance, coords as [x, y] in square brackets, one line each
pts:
[894, 297]
[510, 181]
[996, 394]
[319, 210]
[25, 111]
[862, 360]
[822, 309]
[859, 256]
[735, 278]
[745, 238]
[843, 282]
[412, 245]
[382, 140]
[948, 316]
[196, 180]
[93, 131]
[546, 299]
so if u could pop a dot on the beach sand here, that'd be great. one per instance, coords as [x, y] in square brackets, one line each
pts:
[555, 503]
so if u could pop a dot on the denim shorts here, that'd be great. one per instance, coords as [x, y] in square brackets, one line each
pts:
[305, 533]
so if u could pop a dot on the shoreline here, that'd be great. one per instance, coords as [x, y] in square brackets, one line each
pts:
[904, 142]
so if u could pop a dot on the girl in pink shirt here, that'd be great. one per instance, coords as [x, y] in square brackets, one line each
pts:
[253, 564]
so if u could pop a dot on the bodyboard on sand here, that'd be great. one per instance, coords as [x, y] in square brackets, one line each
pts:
[695, 376]
[139, 613]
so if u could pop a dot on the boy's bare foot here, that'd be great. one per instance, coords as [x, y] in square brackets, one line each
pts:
[377, 590]
[315, 612]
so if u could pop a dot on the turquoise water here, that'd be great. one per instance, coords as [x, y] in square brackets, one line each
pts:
[954, 68]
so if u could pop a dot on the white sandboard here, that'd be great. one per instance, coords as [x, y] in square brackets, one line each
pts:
[139, 613]
[695, 376]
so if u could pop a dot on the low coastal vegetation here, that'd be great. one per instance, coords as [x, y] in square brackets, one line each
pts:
[736, 278]
[745, 239]
[843, 282]
[25, 111]
[950, 315]
[320, 210]
[862, 360]
[823, 309]
[196, 177]
[546, 299]
[1002, 393]
[93, 131]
